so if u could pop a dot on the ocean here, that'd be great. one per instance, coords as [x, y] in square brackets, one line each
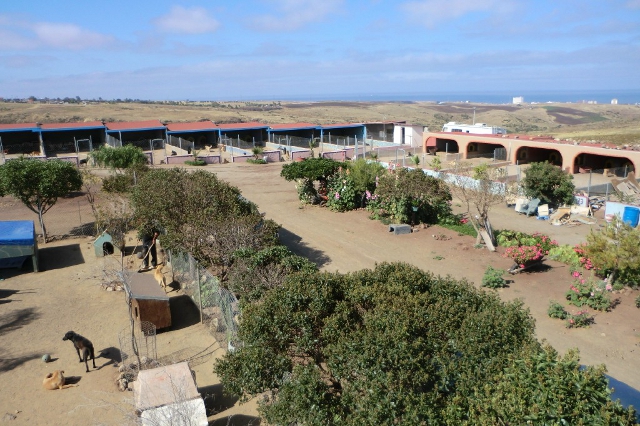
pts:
[599, 96]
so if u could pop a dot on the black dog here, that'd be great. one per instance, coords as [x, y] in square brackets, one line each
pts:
[82, 344]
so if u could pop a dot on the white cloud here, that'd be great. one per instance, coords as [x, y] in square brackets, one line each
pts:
[294, 14]
[69, 36]
[433, 12]
[181, 20]
[20, 34]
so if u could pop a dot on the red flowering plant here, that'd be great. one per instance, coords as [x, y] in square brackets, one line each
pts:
[530, 249]
[525, 255]
[581, 251]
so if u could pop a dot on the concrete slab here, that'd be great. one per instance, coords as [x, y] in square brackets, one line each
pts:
[400, 228]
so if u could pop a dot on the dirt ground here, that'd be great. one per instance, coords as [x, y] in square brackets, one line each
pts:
[36, 309]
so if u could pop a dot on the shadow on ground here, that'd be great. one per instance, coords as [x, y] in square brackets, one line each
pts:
[15, 320]
[625, 393]
[184, 313]
[237, 420]
[215, 401]
[294, 243]
[111, 354]
[60, 257]
[8, 364]
[6, 293]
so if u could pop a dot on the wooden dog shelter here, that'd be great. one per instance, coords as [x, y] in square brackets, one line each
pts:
[149, 302]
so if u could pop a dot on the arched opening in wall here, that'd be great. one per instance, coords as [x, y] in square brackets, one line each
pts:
[607, 165]
[486, 150]
[430, 145]
[447, 145]
[523, 155]
[555, 158]
[529, 154]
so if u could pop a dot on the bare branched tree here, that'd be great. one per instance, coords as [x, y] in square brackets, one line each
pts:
[479, 188]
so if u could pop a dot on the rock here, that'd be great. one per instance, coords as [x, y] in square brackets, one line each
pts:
[123, 385]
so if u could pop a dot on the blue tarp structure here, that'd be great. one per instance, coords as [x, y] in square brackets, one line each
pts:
[17, 243]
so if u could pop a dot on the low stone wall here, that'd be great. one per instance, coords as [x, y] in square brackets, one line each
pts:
[335, 155]
[300, 155]
[241, 158]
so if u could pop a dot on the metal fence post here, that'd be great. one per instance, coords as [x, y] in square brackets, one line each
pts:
[197, 273]
[589, 185]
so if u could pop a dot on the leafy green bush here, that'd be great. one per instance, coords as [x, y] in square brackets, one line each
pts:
[256, 161]
[614, 252]
[341, 192]
[119, 158]
[507, 238]
[579, 319]
[637, 302]
[589, 292]
[400, 190]
[548, 183]
[492, 278]
[556, 310]
[396, 345]
[565, 254]
[119, 183]
[195, 162]
[308, 171]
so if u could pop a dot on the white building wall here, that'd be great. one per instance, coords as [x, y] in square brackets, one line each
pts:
[412, 135]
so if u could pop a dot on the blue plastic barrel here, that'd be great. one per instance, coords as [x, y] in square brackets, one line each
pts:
[631, 215]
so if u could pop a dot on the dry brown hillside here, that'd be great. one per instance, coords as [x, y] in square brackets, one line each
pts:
[608, 123]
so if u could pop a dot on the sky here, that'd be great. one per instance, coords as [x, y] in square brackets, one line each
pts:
[299, 49]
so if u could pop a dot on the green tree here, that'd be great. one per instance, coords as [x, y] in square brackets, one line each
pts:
[200, 214]
[399, 191]
[307, 172]
[39, 184]
[614, 251]
[254, 272]
[549, 183]
[396, 345]
[120, 158]
[257, 151]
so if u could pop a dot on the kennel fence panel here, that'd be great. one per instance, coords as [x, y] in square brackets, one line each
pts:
[218, 306]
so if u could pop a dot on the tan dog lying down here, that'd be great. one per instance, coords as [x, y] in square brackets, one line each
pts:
[55, 381]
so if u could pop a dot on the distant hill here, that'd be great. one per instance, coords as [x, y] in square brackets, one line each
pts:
[618, 124]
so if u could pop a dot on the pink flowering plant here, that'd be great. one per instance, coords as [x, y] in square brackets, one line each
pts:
[526, 249]
[524, 255]
[579, 319]
[589, 292]
[581, 251]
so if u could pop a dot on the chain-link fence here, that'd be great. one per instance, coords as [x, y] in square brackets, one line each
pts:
[288, 141]
[218, 306]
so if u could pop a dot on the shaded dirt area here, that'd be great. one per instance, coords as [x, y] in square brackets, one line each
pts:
[37, 309]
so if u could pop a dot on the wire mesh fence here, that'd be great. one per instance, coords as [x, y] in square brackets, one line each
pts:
[218, 306]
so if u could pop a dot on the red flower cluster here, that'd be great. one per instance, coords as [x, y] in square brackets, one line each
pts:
[525, 254]
[585, 262]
